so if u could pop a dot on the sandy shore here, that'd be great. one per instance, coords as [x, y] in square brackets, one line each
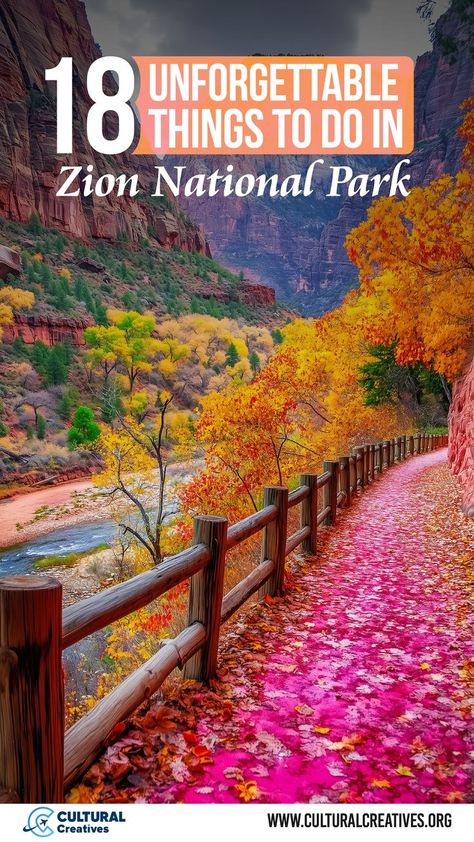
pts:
[68, 504]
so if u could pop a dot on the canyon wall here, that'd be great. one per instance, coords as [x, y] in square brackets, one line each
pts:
[461, 436]
[34, 36]
[297, 244]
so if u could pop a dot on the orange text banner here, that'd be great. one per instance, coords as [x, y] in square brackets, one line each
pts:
[274, 105]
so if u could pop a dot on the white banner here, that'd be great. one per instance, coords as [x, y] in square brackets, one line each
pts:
[217, 822]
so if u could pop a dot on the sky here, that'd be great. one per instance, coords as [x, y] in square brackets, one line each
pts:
[244, 27]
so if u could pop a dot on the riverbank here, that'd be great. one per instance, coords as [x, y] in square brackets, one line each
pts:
[29, 516]
[92, 573]
[36, 513]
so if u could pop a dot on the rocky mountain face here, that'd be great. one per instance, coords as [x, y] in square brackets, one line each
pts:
[297, 244]
[34, 36]
[461, 436]
[49, 329]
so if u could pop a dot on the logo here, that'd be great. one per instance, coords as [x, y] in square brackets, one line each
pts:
[38, 822]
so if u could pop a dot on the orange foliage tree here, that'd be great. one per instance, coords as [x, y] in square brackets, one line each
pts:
[416, 263]
[306, 405]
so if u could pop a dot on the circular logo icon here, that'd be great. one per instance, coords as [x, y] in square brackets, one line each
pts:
[38, 822]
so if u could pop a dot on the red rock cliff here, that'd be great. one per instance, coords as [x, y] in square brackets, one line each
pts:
[33, 37]
[297, 244]
[461, 436]
[49, 329]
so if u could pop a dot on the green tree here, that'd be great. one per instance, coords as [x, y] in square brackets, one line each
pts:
[41, 427]
[232, 357]
[39, 357]
[46, 275]
[61, 299]
[85, 429]
[57, 365]
[386, 382]
[101, 314]
[254, 362]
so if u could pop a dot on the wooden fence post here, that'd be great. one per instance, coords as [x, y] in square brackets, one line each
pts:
[372, 461]
[205, 595]
[309, 512]
[365, 454]
[359, 465]
[330, 496]
[274, 538]
[352, 475]
[31, 690]
[346, 479]
[411, 445]
[379, 459]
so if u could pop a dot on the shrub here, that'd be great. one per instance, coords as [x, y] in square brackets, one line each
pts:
[34, 223]
[65, 406]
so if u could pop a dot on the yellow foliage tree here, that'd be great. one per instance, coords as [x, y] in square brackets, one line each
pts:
[12, 299]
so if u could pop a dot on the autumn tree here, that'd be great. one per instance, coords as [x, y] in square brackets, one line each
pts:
[36, 400]
[416, 264]
[12, 299]
[136, 456]
[106, 346]
[140, 347]
[305, 405]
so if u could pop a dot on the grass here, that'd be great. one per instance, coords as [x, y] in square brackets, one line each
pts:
[68, 560]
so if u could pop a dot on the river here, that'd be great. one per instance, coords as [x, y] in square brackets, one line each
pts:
[18, 560]
[72, 537]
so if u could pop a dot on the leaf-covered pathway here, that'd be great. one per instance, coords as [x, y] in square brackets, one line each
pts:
[356, 686]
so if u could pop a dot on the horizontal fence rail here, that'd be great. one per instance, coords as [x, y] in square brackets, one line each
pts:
[38, 761]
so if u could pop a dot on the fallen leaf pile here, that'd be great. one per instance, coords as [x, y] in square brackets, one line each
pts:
[357, 686]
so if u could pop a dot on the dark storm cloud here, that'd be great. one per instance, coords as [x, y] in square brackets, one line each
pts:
[213, 27]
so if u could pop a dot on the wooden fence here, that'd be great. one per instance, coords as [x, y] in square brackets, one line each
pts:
[38, 761]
